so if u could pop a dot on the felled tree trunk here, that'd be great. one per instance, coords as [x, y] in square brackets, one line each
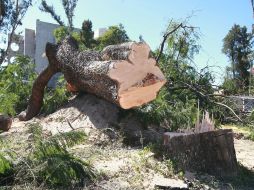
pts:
[123, 74]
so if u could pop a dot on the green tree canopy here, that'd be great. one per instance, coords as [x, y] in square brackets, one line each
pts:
[87, 34]
[15, 83]
[61, 32]
[237, 46]
[114, 35]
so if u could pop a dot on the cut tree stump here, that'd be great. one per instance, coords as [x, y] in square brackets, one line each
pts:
[123, 74]
[212, 152]
[5, 122]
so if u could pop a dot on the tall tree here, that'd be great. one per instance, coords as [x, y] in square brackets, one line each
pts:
[68, 5]
[87, 34]
[11, 15]
[237, 45]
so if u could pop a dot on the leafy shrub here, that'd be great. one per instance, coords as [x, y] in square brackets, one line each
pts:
[16, 82]
[55, 97]
[61, 32]
[174, 115]
[114, 35]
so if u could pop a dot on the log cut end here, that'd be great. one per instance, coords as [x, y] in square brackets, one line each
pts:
[138, 95]
[138, 77]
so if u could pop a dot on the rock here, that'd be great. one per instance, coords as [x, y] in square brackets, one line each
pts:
[161, 182]
[5, 122]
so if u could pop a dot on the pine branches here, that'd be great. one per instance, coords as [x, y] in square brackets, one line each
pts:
[50, 9]
[68, 5]
[49, 163]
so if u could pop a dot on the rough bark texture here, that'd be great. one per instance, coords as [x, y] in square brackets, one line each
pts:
[212, 152]
[5, 122]
[36, 98]
[123, 74]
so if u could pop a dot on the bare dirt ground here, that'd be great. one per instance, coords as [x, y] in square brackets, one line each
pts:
[122, 166]
[245, 152]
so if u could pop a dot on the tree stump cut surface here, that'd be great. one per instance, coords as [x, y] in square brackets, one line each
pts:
[212, 152]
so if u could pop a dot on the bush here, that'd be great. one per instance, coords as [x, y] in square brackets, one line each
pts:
[55, 97]
[16, 82]
[173, 115]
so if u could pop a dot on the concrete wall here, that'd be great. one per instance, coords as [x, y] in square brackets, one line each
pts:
[29, 43]
[44, 34]
[99, 32]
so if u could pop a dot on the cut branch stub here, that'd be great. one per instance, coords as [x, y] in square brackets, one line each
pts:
[124, 74]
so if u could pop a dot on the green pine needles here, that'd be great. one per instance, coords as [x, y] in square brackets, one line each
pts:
[49, 163]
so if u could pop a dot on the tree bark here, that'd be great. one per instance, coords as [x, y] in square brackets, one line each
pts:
[123, 74]
[212, 152]
[5, 122]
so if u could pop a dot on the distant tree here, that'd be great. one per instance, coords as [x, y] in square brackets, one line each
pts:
[11, 15]
[68, 5]
[87, 34]
[114, 35]
[61, 32]
[237, 45]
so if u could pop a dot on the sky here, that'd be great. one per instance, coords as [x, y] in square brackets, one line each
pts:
[149, 18]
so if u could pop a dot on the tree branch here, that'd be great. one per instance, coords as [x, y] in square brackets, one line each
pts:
[165, 37]
[50, 9]
[194, 89]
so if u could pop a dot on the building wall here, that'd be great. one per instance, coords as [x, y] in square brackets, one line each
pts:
[29, 43]
[44, 34]
[99, 32]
